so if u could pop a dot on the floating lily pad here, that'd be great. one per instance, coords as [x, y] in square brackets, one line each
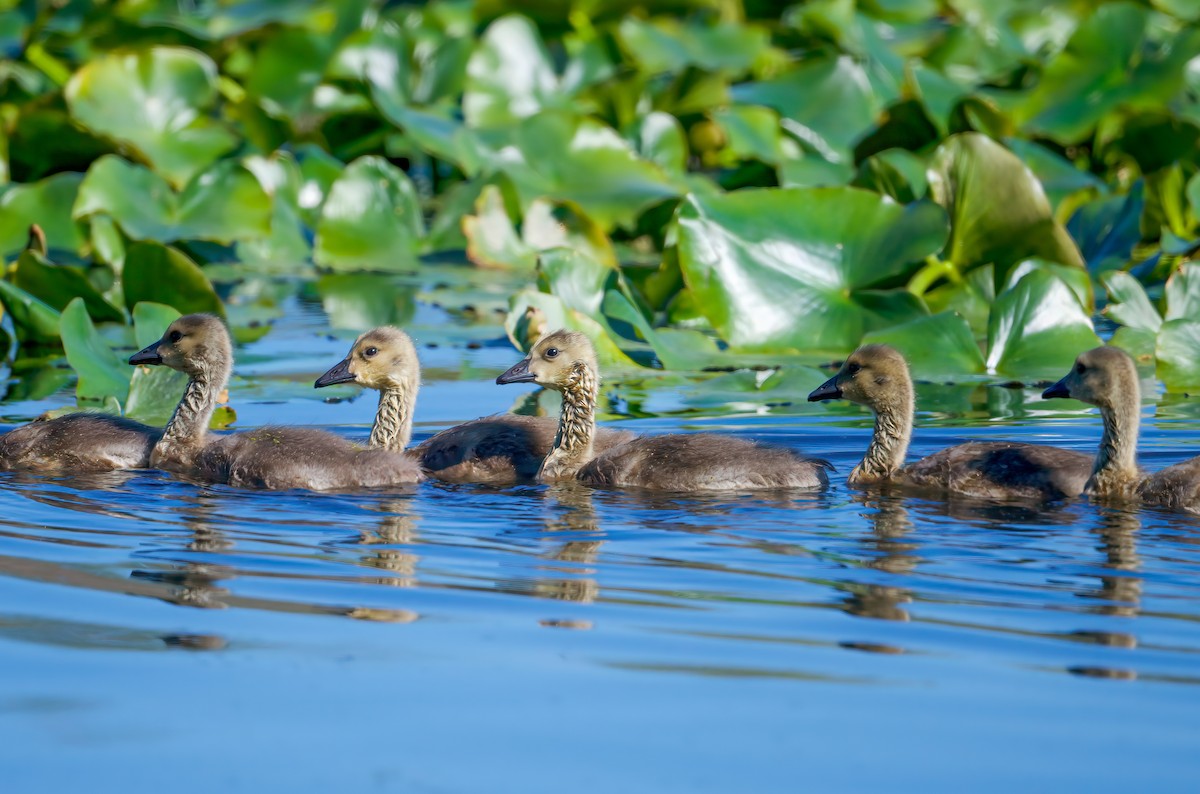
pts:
[101, 373]
[371, 220]
[57, 285]
[1037, 328]
[510, 75]
[1176, 353]
[1128, 303]
[667, 45]
[156, 100]
[1182, 295]
[782, 269]
[46, 203]
[938, 346]
[161, 274]
[492, 240]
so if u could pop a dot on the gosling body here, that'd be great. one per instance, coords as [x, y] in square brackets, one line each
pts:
[78, 443]
[495, 450]
[877, 376]
[270, 457]
[566, 361]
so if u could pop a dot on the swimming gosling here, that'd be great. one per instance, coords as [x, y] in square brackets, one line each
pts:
[78, 443]
[497, 450]
[877, 376]
[270, 457]
[1107, 378]
[566, 362]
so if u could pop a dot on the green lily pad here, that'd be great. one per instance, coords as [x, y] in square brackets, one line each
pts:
[161, 274]
[781, 269]
[510, 75]
[224, 204]
[1128, 303]
[46, 203]
[1176, 349]
[752, 133]
[492, 240]
[33, 319]
[667, 45]
[1183, 294]
[57, 285]
[1058, 176]
[659, 138]
[1037, 328]
[999, 213]
[938, 346]
[1078, 279]
[371, 219]
[532, 314]
[101, 373]
[157, 101]
[287, 70]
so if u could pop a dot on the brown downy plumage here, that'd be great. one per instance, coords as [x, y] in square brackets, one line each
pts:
[877, 376]
[498, 450]
[270, 457]
[566, 361]
[1107, 378]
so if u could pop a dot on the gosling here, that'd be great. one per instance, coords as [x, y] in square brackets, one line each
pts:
[1107, 378]
[566, 362]
[877, 376]
[77, 444]
[495, 450]
[270, 458]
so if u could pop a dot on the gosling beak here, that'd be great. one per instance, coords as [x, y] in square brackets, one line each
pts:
[826, 391]
[517, 373]
[1057, 390]
[339, 373]
[147, 355]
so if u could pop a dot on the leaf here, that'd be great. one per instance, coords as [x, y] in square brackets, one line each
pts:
[509, 76]
[223, 204]
[938, 346]
[1183, 294]
[101, 373]
[1058, 176]
[157, 101]
[532, 313]
[287, 70]
[161, 274]
[778, 269]
[371, 219]
[751, 133]
[666, 45]
[1177, 355]
[153, 391]
[998, 211]
[1128, 303]
[1077, 279]
[1037, 328]
[33, 320]
[57, 285]
[492, 241]
[46, 203]
[1107, 229]
[659, 138]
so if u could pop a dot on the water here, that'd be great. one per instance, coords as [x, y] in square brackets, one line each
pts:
[458, 639]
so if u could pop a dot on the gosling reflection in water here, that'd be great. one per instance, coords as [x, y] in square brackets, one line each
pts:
[397, 527]
[890, 525]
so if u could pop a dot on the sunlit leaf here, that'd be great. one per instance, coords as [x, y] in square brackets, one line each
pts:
[792, 268]
[938, 346]
[1176, 351]
[161, 274]
[492, 240]
[659, 138]
[533, 313]
[46, 203]
[1128, 303]
[371, 219]
[287, 70]
[1183, 295]
[57, 285]
[1059, 177]
[157, 101]
[510, 75]
[1037, 328]
[666, 45]
[101, 372]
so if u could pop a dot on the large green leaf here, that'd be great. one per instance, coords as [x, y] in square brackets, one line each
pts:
[161, 274]
[532, 313]
[223, 204]
[288, 69]
[510, 75]
[153, 391]
[793, 268]
[561, 156]
[101, 373]
[666, 45]
[1177, 351]
[998, 211]
[46, 203]
[1182, 294]
[57, 285]
[1037, 328]
[33, 319]
[371, 219]
[157, 101]
[938, 346]
[1128, 303]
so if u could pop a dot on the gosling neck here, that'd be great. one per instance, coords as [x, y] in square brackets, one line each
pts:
[1115, 474]
[393, 421]
[184, 435]
[576, 426]
[889, 442]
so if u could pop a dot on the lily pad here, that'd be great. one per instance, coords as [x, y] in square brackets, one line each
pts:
[492, 240]
[999, 213]
[33, 319]
[157, 101]
[1178, 364]
[938, 346]
[659, 138]
[510, 75]
[793, 268]
[46, 203]
[532, 314]
[1037, 328]
[224, 204]
[161, 274]
[371, 219]
[1183, 295]
[1128, 303]
[101, 373]
[667, 45]
[57, 285]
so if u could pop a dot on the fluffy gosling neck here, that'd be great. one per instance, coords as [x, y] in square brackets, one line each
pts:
[184, 435]
[889, 442]
[394, 419]
[1115, 475]
[576, 426]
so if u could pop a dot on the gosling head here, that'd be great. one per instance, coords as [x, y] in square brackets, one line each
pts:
[873, 375]
[383, 358]
[197, 344]
[1102, 376]
[552, 360]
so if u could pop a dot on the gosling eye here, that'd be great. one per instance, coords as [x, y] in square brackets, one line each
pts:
[551, 352]
[1080, 369]
[370, 351]
[853, 369]
[175, 336]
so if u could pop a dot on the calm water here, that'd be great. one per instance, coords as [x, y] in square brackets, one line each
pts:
[464, 639]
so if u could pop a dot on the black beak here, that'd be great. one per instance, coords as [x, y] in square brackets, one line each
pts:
[826, 391]
[339, 373]
[148, 355]
[1057, 390]
[517, 373]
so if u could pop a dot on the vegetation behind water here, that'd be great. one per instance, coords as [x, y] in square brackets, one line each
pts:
[697, 184]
